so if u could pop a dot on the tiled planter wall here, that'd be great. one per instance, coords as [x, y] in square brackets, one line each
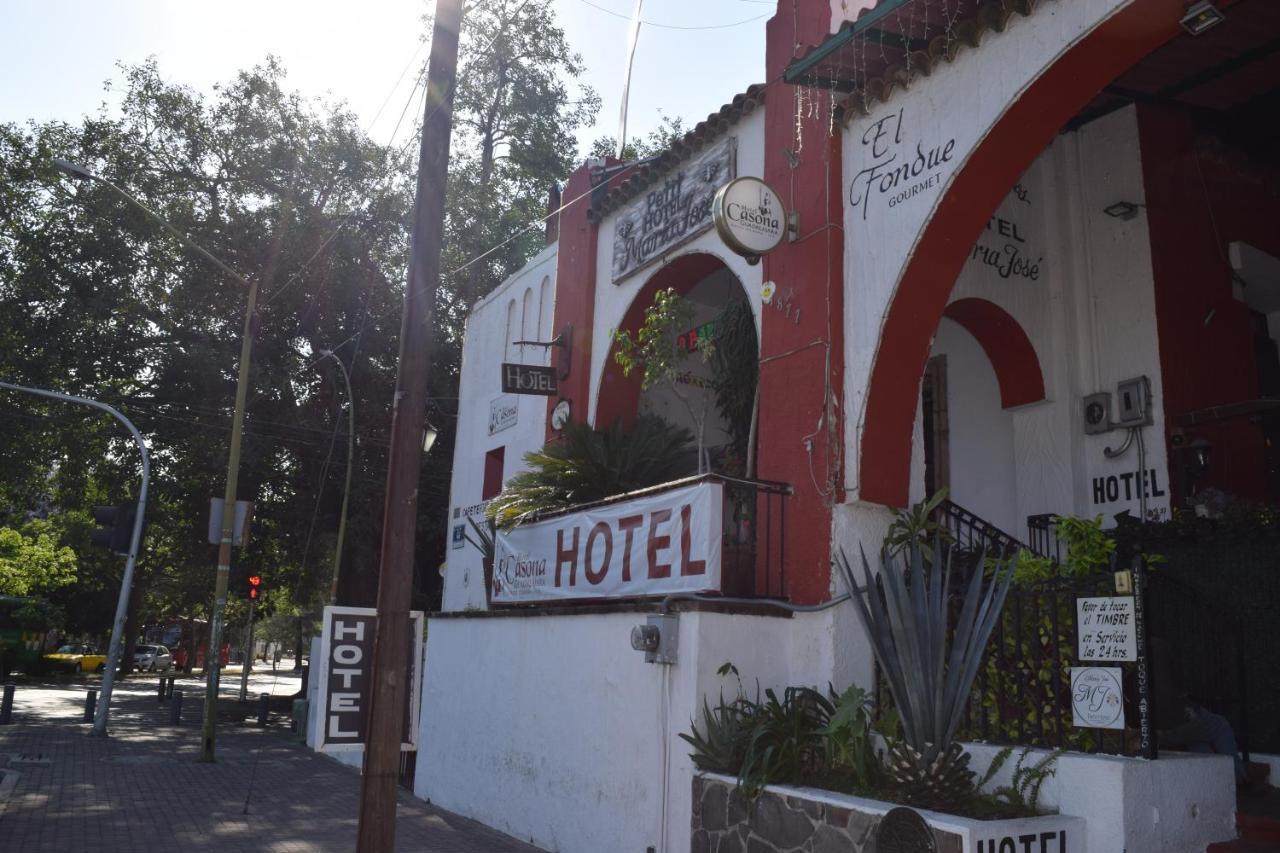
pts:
[783, 824]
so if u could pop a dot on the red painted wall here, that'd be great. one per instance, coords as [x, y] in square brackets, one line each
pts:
[801, 348]
[1197, 204]
[575, 296]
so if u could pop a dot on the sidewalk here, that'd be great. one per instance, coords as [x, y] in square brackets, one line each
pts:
[142, 789]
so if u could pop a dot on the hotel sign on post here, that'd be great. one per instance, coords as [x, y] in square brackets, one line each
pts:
[671, 212]
[345, 678]
[649, 546]
[528, 379]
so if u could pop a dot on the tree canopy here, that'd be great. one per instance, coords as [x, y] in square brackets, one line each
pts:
[97, 300]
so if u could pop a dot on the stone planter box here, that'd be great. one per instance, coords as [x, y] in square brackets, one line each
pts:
[807, 820]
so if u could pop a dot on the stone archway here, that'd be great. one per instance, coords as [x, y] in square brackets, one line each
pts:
[619, 395]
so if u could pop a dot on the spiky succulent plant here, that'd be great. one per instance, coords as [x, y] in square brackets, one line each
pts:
[928, 660]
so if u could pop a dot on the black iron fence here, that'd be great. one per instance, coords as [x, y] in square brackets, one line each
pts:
[1023, 692]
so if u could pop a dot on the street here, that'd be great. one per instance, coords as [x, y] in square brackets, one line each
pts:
[142, 788]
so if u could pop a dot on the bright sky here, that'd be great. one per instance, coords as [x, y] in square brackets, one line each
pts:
[56, 54]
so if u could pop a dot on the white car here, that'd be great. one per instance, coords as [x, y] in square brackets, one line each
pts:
[152, 658]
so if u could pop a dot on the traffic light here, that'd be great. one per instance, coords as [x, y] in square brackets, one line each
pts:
[117, 526]
[255, 587]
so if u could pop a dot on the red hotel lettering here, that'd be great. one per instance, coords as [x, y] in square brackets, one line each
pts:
[687, 566]
[567, 555]
[627, 525]
[657, 543]
[601, 529]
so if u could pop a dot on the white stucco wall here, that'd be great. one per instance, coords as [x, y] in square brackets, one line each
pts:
[553, 730]
[1089, 312]
[613, 300]
[981, 432]
[1177, 804]
[521, 308]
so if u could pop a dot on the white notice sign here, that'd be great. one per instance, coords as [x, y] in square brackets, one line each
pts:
[652, 545]
[1105, 628]
[1097, 701]
[503, 413]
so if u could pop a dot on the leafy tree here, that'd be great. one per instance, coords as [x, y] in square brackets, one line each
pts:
[516, 109]
[96, 299]
[31, 560]
[654, 142]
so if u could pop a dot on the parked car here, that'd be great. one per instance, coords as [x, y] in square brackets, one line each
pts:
[152, 658]
[77, 657]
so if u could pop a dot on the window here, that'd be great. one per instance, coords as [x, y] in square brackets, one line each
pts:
[492, 473]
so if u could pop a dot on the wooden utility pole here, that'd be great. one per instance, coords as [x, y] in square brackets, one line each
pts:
[377, 829]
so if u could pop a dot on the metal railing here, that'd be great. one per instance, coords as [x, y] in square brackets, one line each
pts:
[754, 543]
[971, 533]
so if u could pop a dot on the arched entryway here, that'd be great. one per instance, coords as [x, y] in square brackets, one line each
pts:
[1020, 135]
[713, 296]
[981, 367]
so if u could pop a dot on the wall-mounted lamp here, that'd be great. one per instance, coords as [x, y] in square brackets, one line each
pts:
[1201, 16]
[1125, 210]
[1199, 451]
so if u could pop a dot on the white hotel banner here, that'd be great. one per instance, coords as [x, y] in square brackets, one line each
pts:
[648, 546]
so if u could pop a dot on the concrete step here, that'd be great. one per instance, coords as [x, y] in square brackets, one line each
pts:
[1257, 835]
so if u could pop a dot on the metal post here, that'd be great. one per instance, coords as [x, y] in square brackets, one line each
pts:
[6, 704]
[377, 826]
[264, 708]
[135, 541]
[175, 709]
[160, 691]
[247, 666]
[233, 465]
[213, 657]
[346, 488]
[90, 700]
[1147, 740]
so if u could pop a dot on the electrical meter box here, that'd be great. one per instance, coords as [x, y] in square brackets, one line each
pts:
[1133, 402]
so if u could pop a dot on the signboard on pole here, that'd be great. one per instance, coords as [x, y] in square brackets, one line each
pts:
[345, 678]
[1106, 628]
[652, 545]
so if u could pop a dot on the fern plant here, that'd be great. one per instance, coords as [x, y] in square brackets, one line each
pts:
[587, 465]
[1022, 794]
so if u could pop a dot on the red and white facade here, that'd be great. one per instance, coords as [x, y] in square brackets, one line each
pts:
[950, 219]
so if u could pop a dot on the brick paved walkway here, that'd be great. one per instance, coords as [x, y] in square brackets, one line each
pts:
[142, 790]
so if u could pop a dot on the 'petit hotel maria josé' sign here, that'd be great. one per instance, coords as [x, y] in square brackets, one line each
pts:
[674, 210]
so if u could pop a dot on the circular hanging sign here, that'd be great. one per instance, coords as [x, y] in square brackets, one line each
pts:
[749, 217]
[560, 415]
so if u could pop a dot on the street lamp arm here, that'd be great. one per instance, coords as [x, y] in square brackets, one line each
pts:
[80, 173]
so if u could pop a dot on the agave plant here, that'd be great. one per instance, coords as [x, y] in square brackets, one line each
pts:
[587, 465]
[928, 663]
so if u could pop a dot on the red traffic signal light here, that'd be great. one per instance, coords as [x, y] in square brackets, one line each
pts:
[255, 586]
